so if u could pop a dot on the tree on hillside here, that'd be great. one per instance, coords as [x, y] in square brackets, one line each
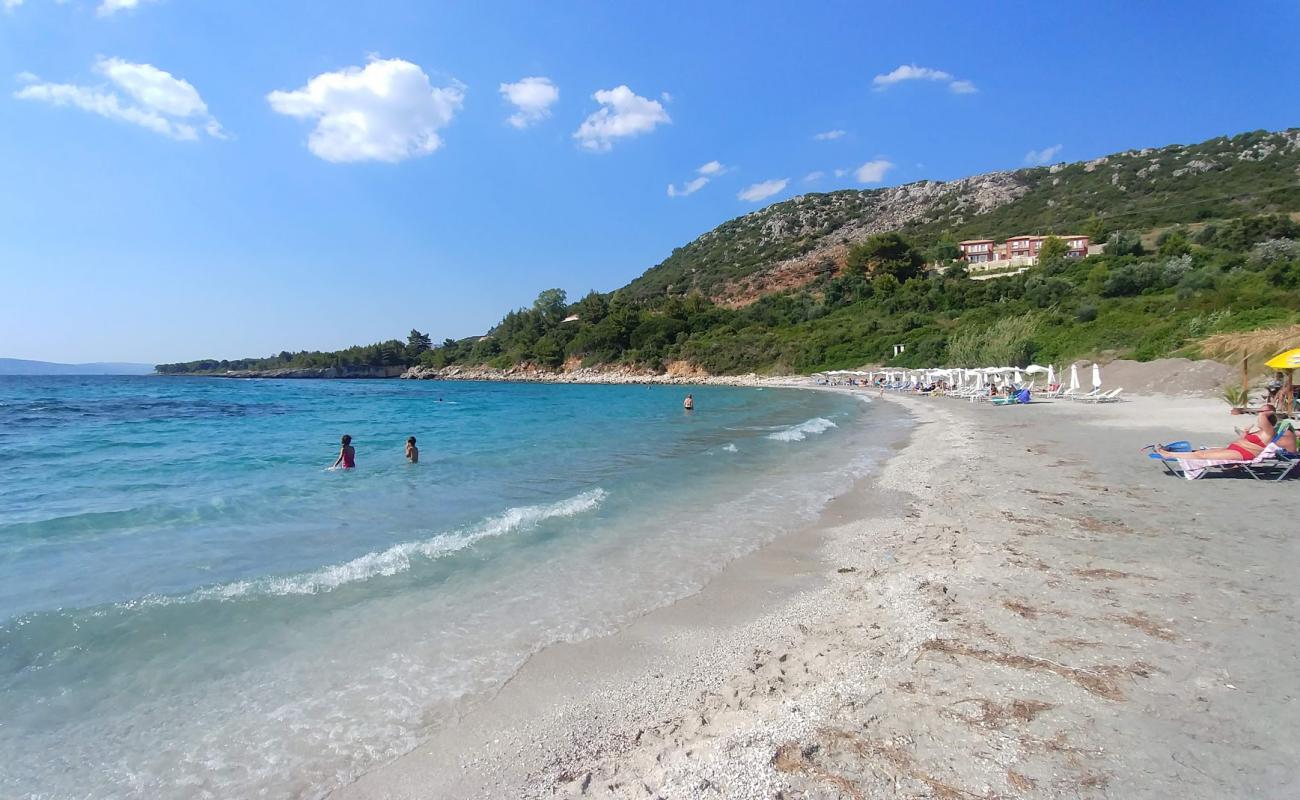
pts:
[944, 251]
[886, 254]
[1124, 243]
[1052, 248]
[417, 342]
[1173, 243]
[592, 308]
[551, 304]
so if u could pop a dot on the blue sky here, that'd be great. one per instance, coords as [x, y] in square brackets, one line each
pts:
[190, 179]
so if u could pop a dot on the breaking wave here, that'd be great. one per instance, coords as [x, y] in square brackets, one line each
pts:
[394, 560]
[797, 433]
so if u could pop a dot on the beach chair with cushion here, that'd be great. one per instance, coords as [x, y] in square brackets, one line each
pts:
[1283, 463]
[1271, 457]
[1193, 468]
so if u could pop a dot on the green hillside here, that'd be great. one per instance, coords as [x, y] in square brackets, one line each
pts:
[1221, 178]
[1227, 259]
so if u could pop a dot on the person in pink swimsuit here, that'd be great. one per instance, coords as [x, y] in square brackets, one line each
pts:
[347, 455]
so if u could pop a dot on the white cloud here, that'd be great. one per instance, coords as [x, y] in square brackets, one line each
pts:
[1044, 156]
[911, 72]
[532, 99]
[623, 114]
[840, 173]
[690, 187]
[155, 99]
[873, 171]
[385, 111]
[827, 136]
[762, 191]
[10, 5]
[666, 97]
[814, 176]
[704, 174]
[109, 7]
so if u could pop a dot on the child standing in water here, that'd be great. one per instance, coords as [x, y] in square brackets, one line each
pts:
[347, 455]
[412, 452]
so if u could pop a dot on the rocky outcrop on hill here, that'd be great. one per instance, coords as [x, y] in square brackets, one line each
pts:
[789, 244]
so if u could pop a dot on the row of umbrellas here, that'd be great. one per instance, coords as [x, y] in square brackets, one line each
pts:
[981, 376]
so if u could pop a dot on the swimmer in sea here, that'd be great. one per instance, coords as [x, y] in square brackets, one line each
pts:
[412, 452]
[688, 403]
[347, 455]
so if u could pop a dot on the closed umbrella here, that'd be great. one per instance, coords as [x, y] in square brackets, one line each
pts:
[1074, 378]
[1096, 376]
[1051, 375]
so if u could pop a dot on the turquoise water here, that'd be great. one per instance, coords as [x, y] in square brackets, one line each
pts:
[191, 605]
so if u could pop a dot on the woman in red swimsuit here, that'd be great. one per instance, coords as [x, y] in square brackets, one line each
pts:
[1251, 443]
[347, 455]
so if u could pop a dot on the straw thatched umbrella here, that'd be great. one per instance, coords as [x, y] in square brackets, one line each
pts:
[1251, 344]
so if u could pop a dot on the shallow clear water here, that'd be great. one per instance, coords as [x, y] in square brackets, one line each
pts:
[192, 606]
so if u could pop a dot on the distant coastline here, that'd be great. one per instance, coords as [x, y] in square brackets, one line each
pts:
[23, 366]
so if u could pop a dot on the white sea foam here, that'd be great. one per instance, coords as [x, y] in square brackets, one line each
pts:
[730, 447]
[797, 433]
[395, 559]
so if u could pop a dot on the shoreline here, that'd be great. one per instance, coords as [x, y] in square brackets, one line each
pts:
[572, 702]
[1034, 613]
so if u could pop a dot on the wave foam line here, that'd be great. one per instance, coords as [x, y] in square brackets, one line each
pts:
[394, 560]
[797, 433]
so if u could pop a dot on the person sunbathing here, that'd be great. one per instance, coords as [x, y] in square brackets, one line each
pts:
[1250, 445]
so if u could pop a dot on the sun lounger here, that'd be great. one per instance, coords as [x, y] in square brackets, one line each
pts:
[1193, 468]
[1113, 396]
[1283, 461]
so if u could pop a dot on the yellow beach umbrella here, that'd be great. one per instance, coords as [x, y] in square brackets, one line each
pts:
[1288, 360]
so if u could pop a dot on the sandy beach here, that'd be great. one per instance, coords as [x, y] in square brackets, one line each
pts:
[1018, 605]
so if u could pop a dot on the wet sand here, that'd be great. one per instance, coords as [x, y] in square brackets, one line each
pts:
[1019, 605]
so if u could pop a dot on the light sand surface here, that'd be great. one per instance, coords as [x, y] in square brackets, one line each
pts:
[1020, 605]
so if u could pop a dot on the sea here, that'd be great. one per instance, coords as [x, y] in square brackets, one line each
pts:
[192, 605]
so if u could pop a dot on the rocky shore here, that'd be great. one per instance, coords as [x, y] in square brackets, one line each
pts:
[610, 375]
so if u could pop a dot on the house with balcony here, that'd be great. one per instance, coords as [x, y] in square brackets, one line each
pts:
[1016, 254]
[977, 251]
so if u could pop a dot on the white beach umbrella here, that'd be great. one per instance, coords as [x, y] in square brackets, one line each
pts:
[1035, 369]
[1051, 375]
[1016, 375]
[1074, 377]
[1096, 376]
